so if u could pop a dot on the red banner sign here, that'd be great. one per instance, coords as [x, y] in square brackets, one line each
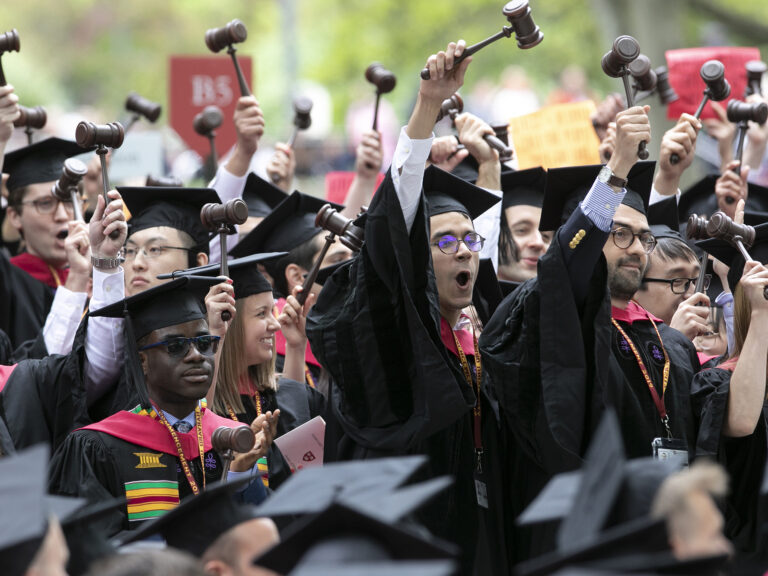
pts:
[200, 81]
[684, 66]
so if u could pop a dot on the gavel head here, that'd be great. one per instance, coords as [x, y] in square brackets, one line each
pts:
[219, 38]
[164, 181]
[743, 111]
[667, 94]
[350, 235]
[713, 74]
[31, 117]
[215, 215]
[72, 174]
[9, 41]
[140, 105]
[696, 228]
[383, 79]
[755, 71]
[644, 75]
[208, 120]
[302, 112]
[721, 226]
[451, 106]
[239, 439]
[527, 34]
[625, 49]
[501, 130]
[89, 134]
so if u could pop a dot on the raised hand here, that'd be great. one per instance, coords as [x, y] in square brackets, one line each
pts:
[632, 127]
[220, 298]
[730, 188]
[104, 221]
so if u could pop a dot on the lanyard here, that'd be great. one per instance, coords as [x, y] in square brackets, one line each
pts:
[308, 376]
[658, 401]
[256, 401]
[180, 450]
[476, 411]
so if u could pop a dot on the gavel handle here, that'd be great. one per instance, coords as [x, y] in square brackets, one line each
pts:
[497, 144]
[743, 127]
[212, 161]
[28, 131]
[102, 152]
[675, 158]
[131, 122]
[506, 32]
[312, 276]
[224, 265]
[76, 205]
[376, 112]
[244, 90]
[702, 272]
[2, 75]
[227, 456]
[642, 151]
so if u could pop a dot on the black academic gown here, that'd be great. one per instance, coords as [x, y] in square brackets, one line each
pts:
[743, 458]
[24, 303]
[550, 354]
[395, 387]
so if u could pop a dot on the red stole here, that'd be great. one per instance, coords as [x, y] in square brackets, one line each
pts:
[5, 374]
[632, 313]
[150, 433]
[463, 336]
[281, 344]
[40, 270]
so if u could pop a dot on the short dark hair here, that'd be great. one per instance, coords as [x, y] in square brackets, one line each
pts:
[303, 255]
[508, 251]
[16, 197]
[669, 249]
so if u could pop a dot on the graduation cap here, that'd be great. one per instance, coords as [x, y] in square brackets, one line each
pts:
[23, 479]
[448, 193]
[198, 521]
[171, 206]
[289, 225]
[261, 196]
[341, 535]
[38, 162]
[487, 294]
[566, 187]
[244, 273]
[313, 489]
[174, 302]
[524, 187]
[664, 213]
[700, 198]
[730, 255]
[467, 169]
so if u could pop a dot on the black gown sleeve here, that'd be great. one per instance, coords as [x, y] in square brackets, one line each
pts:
[24, 303]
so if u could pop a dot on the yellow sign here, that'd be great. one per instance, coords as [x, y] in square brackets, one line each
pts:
[149, 460]
[556, 136]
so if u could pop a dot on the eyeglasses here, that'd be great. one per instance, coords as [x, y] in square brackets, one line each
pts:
[179, 347]
[623, 237]
[49, 205]
[149, 252]
[681, 285]
[450, 244]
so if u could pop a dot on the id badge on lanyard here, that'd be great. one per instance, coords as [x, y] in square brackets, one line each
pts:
[672, 450]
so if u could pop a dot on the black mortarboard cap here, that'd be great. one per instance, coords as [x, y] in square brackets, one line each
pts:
[173, 302]
[199, 520]
[313, 489]
[566, 187]
[467, 169]
[38, 162]
[244, 273]
[664, 213]
[524, 187]
[341, 535]
[448, 193]
[289, 225]
[731, 256]
[487, 294]
[698, 199]
[382, 568]
[660, 231]
[261, 196]
[23, 479]
[755, 218]
[171, 206]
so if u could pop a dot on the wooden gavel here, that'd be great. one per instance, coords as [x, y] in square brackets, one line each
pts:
[615, 64]
[66, 188]
[219, 38]
[9, 42]
[140, 106]
[221, 218]
[666, 93]
[454, 106]
[205, 124]
[644, 76]
[717, 89]
[385, 81]
[164, 181]
[31, 118]
[501, 130]
[351, 235]
[103, 136]
[528, 35]
[742, 113]
[719, 225]
[302, 119]
[755, 71]
[226, 441]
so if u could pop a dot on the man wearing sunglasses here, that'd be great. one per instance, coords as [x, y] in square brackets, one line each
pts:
[160, 451]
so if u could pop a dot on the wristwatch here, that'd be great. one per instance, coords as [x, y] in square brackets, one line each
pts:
[107, 263]
[607, 176]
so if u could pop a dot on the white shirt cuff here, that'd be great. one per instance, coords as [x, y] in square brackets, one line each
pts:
[655, 197]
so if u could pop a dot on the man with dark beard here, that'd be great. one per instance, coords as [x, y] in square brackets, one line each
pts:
[559, 352]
